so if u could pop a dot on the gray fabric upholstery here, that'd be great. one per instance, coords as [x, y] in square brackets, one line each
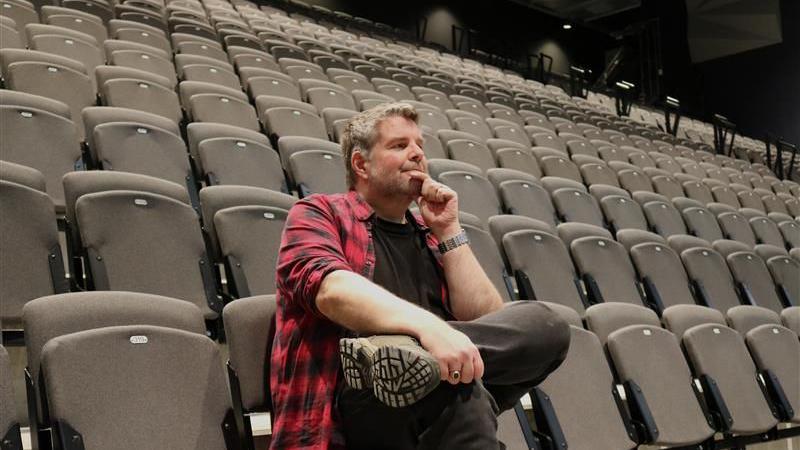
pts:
[701, 223]
[106, 73]
[501, 224]
[171, 387]
[766, 231]
[607, 262]
[85, 182]
[144, 242]
[24, 99]
[634, 180]
[667, 186]
[291, 121]
[528, 199]
[600, 191]
[199, 131]
[644, 197]
[45, 74]
[24, 175]
[680, 318]
[216, 198]
[599, 174]
[683, 242]
[791, 233]
[727, 247]
[553, 184]
[777, 349]
[188, 89]
[751, 271]
[289, 145]
[142, 95]
[98, 115]
[577, 206]
[605, 318]
[651, 357]
[664, 218]
[139, 148]
[708, 269]
[519, 159]
[238, 229]
[487, 253]
[720, 353]
[745, 317]
[631, 237]
[250, 329]
[437, 167]
[560, 166]
[28, 244]
[475, 193]
[696, 190]
[51, 316]
[8, 412]
[148, 60]
[318, 171]
[569, 232]
[543, 258]
[658, 264]
[573, 399]
[232, 160]
[791, 318]
[734, 226]
[498, 175]
[471, 151]
[623, 213]
[223, 109]
[53, 153]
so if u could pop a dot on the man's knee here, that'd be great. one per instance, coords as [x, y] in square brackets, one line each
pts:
[547, 341]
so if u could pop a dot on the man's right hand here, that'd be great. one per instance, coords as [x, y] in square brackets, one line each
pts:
[454, 351]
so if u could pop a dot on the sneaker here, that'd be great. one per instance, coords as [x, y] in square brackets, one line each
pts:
[399, 371]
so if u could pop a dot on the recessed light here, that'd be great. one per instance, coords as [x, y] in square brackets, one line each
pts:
[566, 26]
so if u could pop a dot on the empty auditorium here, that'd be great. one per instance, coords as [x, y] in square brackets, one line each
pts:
[399, 225]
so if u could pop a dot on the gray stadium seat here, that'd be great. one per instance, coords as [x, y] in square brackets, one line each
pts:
[318, 171]
[238, 161]
[161, 251]
[250, 330]
[9, 425]
[178, 373]
[24, 175]
[32, 264]
[235, 218]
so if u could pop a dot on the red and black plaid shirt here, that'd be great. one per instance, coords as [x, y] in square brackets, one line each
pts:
[323, 233]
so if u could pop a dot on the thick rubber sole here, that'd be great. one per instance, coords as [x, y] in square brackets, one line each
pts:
[399, 376]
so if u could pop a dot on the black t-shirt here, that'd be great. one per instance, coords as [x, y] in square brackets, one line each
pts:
[406, 267]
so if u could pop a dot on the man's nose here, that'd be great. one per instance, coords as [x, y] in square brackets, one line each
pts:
[416, 153]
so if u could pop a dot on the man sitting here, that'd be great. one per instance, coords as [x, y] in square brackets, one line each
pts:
[389, 333]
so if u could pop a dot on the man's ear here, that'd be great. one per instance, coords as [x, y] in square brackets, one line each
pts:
[359, 164]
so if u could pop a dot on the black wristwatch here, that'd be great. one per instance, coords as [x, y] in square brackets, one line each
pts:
[453, 242]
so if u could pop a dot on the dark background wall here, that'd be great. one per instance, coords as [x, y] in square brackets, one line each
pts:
[759, 90]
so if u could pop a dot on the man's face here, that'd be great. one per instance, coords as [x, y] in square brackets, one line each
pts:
[397, 151]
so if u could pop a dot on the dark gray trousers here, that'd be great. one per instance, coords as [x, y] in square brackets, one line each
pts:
[520, 345]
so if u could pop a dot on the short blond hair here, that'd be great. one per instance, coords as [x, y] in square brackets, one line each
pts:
[361, 132]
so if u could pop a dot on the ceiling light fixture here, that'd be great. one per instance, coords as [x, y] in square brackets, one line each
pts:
[567, 26]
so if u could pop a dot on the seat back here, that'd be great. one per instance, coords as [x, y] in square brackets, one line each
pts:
[664, 219]
[9, 425]
[30, 254]
[776, 352]
[250, 330]
[701, 223]
[652, 367]
[233, 160]
[318, 171]
[585, 358]
[711, 278]
[543, 268]
[574, 205]
[718, 354]
[475, 193]
[754, 279]
[173, 383]
[623, 213]
[144, 242]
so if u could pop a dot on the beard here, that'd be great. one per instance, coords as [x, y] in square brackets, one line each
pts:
[394, 184]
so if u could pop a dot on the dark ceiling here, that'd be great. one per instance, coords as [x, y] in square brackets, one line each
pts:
[581, 10]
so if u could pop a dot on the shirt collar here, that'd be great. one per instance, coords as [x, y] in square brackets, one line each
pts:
[363, 211]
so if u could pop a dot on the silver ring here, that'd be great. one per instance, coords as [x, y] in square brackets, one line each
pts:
[455, 375]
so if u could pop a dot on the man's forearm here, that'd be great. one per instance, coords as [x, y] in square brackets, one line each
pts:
[362, 306]
[472, 293]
